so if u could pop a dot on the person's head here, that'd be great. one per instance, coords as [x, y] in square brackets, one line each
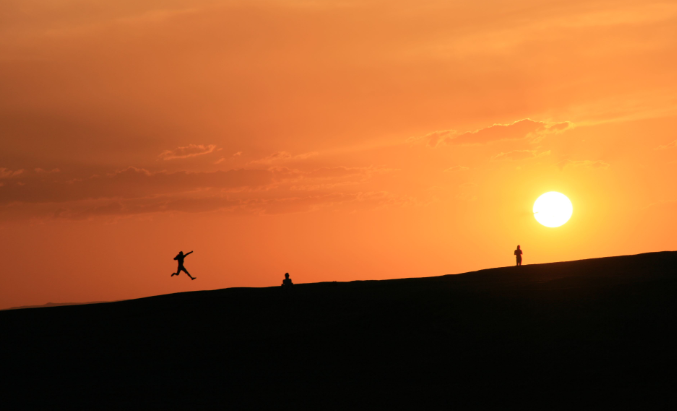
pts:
[181, 252]
[286, 275]
[518, 247]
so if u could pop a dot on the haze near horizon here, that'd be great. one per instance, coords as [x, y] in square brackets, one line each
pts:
[331, 140]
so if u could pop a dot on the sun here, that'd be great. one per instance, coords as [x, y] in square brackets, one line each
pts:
[553, 209]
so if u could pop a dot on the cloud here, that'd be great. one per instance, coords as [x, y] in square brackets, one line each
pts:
[457, 168]
[520, 129]
[662, 206]
[41, 171]
[222, 159]
[136, 191]
[341, 172]
[436, 138]
[517, 155]
[123, 208]
[598, 164]
[281, 156]
[133, 182]
[466, 197]
[7, 173]
[278, 203]
[325, 178]
[191, 150]
[667, 146]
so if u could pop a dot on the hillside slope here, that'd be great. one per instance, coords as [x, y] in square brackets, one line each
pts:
[585, 334]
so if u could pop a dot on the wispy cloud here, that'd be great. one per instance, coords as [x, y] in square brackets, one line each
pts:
[133, 191]
[457, 168]
[223, 159]
[520, 129]
[7, 173]
[665, 206]
[516, 155]
[191, 150]
[133, 182]
[282, 203]
[672, 144]
[597, 164]
[282, 156]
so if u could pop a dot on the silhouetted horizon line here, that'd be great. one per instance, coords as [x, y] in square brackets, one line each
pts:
[50, 304]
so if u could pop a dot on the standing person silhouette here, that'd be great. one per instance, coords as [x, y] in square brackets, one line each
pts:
[518, 256]
[179, 257]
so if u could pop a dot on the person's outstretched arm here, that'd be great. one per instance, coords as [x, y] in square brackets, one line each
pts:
[186, 255]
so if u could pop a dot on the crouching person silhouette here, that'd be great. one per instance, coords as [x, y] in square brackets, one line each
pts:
[286, 283]
[179, 257]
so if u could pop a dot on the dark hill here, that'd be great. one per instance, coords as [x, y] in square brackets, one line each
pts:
[50, 305]
[585, 334]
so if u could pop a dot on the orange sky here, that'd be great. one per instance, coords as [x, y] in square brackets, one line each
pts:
[335, 140]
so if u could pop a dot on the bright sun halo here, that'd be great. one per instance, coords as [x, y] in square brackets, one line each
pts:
[553, 209]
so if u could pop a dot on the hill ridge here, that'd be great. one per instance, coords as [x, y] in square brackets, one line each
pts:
[582, 334]
[493, 270]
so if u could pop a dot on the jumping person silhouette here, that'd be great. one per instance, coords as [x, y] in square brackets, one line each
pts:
[180, 256]
[518, 255]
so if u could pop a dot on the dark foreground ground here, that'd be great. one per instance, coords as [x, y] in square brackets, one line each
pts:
[590, 334]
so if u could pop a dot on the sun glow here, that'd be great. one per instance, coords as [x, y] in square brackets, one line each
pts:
[553, 209]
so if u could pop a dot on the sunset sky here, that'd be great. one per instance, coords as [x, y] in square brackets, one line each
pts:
[334, 140]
